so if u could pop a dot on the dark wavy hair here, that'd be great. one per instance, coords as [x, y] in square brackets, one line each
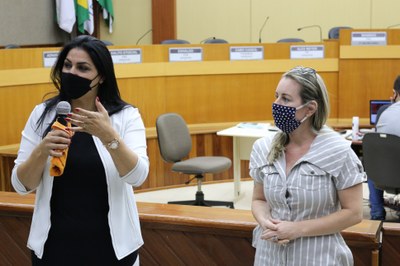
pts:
[108, 91]
[396, 85]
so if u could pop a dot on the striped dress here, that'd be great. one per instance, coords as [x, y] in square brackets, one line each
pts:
[308, 192]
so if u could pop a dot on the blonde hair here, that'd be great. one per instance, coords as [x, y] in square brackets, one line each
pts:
[312, 89]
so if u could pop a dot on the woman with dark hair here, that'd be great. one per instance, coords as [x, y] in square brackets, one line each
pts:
[87, 215]
[307, 180]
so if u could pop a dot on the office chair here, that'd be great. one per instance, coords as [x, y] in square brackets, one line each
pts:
[381, 153]
[175, 144]
[175, 41]
[290, 40]
[214, 40]
[107, 43]
[334, 32]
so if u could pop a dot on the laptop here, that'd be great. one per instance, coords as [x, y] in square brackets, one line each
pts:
[374, 106]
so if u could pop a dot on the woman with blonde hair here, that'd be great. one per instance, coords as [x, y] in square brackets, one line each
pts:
[307, 180]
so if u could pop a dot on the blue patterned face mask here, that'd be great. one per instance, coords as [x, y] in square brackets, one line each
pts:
[284, 117]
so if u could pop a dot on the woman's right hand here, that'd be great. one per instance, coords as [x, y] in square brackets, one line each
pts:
[55, 142]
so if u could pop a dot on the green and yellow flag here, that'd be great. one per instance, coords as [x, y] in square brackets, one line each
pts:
[108, 12]
[82, 14]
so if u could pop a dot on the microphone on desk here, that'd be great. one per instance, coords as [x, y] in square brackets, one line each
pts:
[141, 37]
[313, 26]
[57, 165]
[262, 28]
[393, 26]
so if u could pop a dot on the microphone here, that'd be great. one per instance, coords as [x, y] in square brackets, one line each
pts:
[63, 108]
[393, 26]
[141, 37]
[57, 164]
[313, 26]
[262, 27]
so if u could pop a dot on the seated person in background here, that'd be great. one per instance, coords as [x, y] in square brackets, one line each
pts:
[307, 180]
[387, 121]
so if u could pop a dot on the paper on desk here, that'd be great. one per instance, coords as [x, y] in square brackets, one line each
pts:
[252, 125]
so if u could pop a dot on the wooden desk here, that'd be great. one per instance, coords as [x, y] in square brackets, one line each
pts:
[390, 243]
[8, 154]
[243, 139]
[178, 234]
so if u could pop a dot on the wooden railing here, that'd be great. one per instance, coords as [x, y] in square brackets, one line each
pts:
[179, 234]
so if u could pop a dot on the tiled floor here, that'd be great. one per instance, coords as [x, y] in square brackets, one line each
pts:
[224, 191]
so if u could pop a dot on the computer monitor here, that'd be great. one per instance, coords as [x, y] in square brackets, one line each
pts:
[374, 106]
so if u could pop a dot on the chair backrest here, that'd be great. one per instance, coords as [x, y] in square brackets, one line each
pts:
[334, 32]
[291, 40]
[11, 46]
[173, 136]
[381, 153]
[212, 40]
[175, 41]
[107, 43]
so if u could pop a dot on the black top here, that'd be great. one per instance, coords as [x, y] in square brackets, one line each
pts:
[79, 233]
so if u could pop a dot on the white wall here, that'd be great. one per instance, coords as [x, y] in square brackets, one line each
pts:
[132, 20]
[239, 21]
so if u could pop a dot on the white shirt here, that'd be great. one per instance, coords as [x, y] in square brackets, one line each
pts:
[123, 216]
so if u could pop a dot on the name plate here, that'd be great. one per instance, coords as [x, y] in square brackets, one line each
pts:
[49, 58]
[307, 51]
[369, 38]
[247, 53]
[126, 56]
[185, 54]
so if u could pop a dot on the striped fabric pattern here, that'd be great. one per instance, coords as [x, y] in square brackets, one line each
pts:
[309, 191]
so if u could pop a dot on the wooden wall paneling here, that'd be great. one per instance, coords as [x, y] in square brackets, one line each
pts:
[331, 82]
[361, 80]
[146, 93]
[23, 57]
[14, 231]
[17, 102]
[219, 98]
[163, 20]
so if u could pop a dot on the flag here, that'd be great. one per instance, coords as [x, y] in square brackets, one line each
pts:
[65, 11]
[82, 14]
[89, 24]
[108, 12]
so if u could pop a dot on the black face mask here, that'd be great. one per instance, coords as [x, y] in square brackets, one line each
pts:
[75, 86]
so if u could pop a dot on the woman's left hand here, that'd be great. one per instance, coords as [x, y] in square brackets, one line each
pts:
[95, 123]
[285, 231]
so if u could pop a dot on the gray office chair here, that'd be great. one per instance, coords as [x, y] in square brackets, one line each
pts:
[11, 46]
[107, 43]
[175, 144]
[214, 40]
[175, 41]
[334, 32]
[381, 153]
[290, 40]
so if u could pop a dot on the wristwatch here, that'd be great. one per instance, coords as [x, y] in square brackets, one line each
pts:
[113, 145]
